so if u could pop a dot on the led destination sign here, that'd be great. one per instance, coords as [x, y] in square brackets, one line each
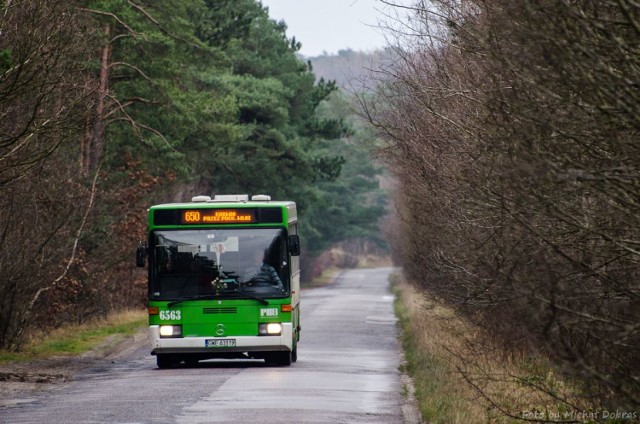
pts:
[213, 216]
[218, 216]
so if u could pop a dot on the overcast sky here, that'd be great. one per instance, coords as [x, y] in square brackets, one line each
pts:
[331, 25]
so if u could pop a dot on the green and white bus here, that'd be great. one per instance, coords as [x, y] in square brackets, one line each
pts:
[224, 280]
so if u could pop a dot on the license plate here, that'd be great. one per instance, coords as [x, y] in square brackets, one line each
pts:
[220, 343]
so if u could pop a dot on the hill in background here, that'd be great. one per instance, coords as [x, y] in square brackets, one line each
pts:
[352, 70]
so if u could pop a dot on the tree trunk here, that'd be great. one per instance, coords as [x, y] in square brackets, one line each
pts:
[92, 147]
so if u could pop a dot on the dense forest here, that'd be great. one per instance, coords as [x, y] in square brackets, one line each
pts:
[513, 129]
[109, 106]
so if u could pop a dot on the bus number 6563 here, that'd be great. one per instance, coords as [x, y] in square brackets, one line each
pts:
[170, 315]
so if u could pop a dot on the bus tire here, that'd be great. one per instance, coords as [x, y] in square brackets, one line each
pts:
[282, 359]
[294, 354]
[191, 363]
[164, 361]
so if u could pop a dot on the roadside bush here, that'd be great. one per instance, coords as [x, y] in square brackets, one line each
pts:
[512, 128]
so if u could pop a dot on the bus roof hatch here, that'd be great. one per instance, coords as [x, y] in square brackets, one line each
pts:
[231, 198]
[260, 198]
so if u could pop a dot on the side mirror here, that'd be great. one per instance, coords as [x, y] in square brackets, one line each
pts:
[294, 245]
[141, 254]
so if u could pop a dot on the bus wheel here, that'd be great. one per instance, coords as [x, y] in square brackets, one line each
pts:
[282, 359]
[191, 363]
[294, 354]
[164, 361]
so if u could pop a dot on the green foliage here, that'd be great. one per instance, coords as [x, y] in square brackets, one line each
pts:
[158, 70]
[5, 60]
[221, 100]
[285, 148]
[163, 100]
[349, 205]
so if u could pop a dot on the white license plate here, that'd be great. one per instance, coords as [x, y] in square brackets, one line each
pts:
[220, 343]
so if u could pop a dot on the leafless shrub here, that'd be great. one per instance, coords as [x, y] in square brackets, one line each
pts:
[513, 128]
[44, 83]
[40, 215]
[44, 92]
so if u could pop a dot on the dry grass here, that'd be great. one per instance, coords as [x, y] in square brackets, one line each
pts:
[337, 260]
[440, 391]
[375, 261]
[460, 376]
[327, 277]
[76, 339]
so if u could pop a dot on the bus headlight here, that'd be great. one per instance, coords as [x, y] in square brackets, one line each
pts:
[270, 329]
[167, 331]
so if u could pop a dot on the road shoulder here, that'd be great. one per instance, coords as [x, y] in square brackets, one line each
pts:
[24, 381]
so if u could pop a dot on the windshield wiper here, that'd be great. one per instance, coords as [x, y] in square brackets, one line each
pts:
[214, 295]
[201, 297]
[259, 299]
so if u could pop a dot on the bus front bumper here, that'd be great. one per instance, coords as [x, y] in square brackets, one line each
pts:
[212, 345]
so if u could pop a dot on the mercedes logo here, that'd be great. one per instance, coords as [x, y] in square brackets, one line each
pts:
[220, 330]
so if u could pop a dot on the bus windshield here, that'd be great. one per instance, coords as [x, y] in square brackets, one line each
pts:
[215, 263]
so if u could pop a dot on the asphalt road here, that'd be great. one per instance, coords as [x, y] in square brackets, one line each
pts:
[347, 372]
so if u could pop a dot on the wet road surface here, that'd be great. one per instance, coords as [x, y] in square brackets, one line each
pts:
[347, 372]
